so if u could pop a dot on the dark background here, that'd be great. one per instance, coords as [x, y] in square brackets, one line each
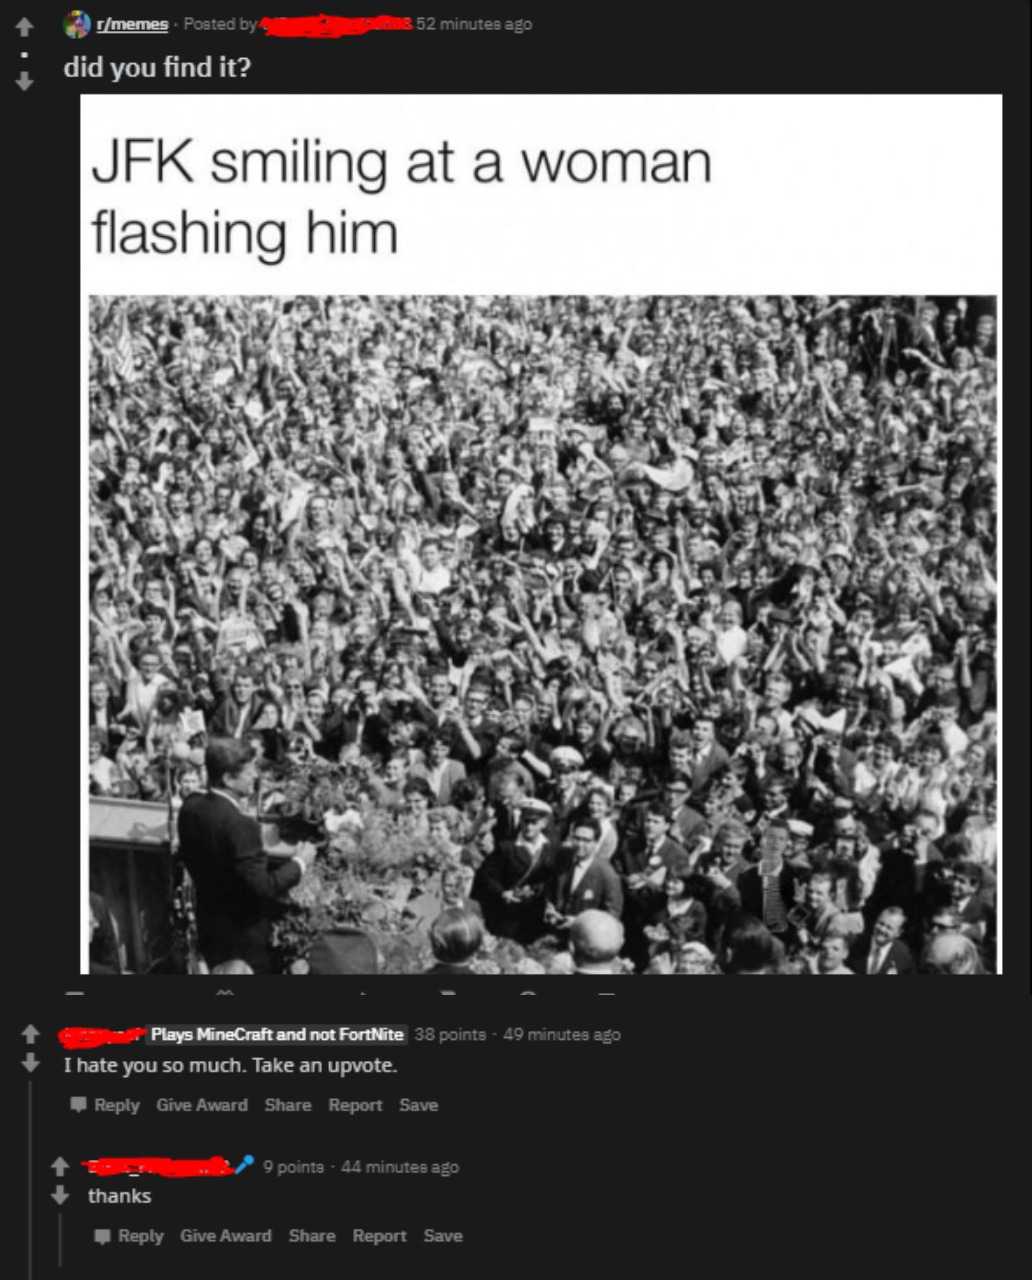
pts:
[727, 1122]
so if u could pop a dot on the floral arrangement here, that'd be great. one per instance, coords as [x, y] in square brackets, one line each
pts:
[370, 868]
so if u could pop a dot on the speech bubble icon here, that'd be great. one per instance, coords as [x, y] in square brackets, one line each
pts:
[77, 1103]
[102, 1235]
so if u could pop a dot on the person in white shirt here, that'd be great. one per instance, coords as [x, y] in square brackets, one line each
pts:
[877, 771]
[731, 639]
[426, 574]
[142, 687]
[776, 693]
[676, 477]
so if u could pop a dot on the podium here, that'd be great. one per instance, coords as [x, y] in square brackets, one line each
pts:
[131, 868]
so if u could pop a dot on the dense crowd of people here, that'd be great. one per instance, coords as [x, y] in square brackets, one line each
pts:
[657, 633]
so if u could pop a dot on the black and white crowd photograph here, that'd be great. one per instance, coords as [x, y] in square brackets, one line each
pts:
[527, 635]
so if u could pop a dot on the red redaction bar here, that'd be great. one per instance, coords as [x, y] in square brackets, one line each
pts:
[324, 26]
[161, 1166]
[97, 1037]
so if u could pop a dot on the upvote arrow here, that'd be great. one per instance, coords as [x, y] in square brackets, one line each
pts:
[24, 81]
[24, 26]
[29, 1034]
[30, 1062]
[59, 1166]
[60, 1195]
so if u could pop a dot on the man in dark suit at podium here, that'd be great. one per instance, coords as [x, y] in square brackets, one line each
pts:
[237, 885]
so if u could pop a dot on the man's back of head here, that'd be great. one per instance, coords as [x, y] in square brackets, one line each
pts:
[596, 939]
[952, 955]
[455, 936]
[225, 757]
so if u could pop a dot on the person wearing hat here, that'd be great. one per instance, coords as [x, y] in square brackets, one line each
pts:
[511, 883]
[565, 794]
[536, 817]
[800, 839]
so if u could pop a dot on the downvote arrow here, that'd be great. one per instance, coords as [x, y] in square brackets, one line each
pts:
[24, 81]
[30, 1062]
[60, 1195]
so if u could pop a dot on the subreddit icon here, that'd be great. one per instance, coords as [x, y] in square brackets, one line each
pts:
[77, 24]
